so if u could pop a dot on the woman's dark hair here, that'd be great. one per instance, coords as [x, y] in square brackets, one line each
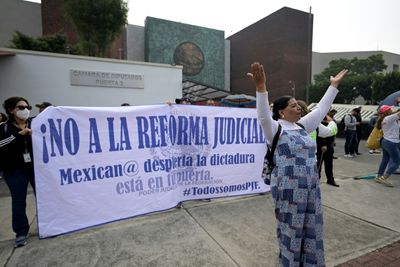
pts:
[381, 116]
[11, 103]
[303, 107]
[279, 104]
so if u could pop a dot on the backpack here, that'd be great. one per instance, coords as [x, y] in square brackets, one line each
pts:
[342, 124]
[269, 163]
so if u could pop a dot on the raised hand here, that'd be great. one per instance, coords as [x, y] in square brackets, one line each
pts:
[335, 81]
[257, 74]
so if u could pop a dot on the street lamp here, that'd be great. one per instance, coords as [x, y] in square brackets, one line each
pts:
[293, 83]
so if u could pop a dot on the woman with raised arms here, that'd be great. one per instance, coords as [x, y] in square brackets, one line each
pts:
[294, 180]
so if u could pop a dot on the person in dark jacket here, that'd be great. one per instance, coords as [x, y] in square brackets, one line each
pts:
[16, 162]
[325, 150]
[358, 129]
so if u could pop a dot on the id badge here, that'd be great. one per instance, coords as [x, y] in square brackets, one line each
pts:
[27, 157]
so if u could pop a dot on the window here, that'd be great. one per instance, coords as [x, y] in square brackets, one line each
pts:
[395, 67]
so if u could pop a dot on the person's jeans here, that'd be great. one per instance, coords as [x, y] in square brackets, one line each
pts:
[17, 181]
[390, 157]
[351, 141]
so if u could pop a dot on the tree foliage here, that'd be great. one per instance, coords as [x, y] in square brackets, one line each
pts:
[56, 43]
[384, 85]
[98, 23]
[359, 81]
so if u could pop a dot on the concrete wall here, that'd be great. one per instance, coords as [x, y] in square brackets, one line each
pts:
[282, 43]
[18, 15]
[321, 60]
[227, 65]
[135, 42]
[46, 77]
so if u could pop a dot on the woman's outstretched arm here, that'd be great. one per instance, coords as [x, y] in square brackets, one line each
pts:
[312, 119]
[264, 113]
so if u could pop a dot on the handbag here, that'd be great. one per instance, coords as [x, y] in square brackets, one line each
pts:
[374, 138]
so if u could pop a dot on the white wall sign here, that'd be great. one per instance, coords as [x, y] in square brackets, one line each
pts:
[106, 79]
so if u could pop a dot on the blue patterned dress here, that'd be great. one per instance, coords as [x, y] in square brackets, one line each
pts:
[295, 190]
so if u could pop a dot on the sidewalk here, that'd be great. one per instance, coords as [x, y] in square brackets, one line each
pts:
[362, 226]
[386, 256]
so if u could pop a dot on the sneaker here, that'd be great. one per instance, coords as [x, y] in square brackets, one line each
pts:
[378, 178]
[348, 156]
[20, 241]
[371, 152]
[383, 180]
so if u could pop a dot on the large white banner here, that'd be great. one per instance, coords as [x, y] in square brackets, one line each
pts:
[98, 165]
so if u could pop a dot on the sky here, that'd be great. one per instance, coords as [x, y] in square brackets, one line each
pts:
[341, 25]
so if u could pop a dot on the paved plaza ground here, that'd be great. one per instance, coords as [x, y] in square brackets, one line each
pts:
[362, 228]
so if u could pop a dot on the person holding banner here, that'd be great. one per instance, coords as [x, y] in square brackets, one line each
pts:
[16, 162]
[295, 180]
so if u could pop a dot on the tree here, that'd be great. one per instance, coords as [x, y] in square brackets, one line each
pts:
[384, 85]
[361, 76]
[56, 43]
[98, 22]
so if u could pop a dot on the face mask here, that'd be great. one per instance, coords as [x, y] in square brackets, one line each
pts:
[23, 114]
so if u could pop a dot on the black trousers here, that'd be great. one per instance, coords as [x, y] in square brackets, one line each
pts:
[327, 159]
[359, 135]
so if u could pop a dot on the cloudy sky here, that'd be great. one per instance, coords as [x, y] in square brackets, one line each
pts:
[341, 25]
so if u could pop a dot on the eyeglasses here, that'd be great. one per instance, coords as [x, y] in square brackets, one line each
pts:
[24, 107]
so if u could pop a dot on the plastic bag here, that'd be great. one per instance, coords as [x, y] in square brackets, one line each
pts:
[374, 139]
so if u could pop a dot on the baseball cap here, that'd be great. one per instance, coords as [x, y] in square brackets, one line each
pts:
[385, 108]
[43, 105]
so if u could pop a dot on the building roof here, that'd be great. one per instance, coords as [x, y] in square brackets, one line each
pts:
[367, 111]
[197, 91]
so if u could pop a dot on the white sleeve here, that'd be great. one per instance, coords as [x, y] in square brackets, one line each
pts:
[391, 118]
[327, 131]
[264, 114]
[313, 119]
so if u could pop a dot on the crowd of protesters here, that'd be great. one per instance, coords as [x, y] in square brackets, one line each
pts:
[16, 157]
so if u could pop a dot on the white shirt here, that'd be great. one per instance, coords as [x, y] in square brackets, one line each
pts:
[391, 127]
[310, 121]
